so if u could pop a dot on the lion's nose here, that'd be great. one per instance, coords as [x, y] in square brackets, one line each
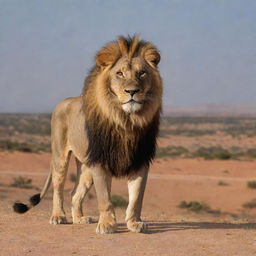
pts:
[132, 92]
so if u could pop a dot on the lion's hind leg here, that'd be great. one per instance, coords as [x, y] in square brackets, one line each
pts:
[83, 184]
[59, 167]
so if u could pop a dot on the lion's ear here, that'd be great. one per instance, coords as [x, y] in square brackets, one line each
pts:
[108, 55]
[151, 55]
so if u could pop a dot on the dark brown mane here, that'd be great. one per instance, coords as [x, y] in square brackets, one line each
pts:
[119, 152]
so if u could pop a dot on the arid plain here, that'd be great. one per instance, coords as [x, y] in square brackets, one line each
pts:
[200, 197]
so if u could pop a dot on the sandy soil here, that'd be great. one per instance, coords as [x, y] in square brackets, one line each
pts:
[172, 231]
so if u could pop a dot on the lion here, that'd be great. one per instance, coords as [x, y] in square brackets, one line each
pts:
[111, 129]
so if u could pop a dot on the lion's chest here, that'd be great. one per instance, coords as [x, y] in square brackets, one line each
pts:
[119, 153]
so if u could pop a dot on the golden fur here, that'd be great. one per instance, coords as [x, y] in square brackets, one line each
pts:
[111, 130]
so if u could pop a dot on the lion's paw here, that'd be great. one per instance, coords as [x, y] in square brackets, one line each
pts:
[58, 220]
[106, 228]
[137, 227]
[84, 220]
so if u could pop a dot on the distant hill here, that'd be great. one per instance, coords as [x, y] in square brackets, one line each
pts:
[213, 110]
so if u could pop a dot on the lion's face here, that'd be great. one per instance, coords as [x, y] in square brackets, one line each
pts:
[125, 85]
[130, 83]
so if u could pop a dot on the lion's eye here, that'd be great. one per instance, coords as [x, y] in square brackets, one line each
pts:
[120, 74]
[141, 73]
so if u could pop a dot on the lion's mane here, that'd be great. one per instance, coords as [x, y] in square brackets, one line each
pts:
[120, 142]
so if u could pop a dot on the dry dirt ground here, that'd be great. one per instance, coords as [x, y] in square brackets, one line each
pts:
[172, 231]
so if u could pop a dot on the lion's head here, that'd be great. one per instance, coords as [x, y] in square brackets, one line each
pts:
[125, 82]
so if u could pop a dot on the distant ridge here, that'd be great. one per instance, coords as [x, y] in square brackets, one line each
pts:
[213, 110]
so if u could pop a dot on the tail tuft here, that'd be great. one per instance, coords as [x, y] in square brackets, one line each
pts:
[20, 208]
[35, 199]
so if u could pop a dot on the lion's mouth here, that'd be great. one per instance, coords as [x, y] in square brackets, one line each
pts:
[131, 106]
[132, 101]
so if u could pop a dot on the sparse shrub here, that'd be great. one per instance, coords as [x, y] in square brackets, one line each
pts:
[162, 152]
[213, 153]
[171, 152]
[9, 145]
[194, 206]
[224, 156]
[251, 152]
[222, 183]
[250, 205]
[208, 153]
[164, 133]
[27, 123]
[21, 182]
[185, 132]
[197, 207]
[242, 128]
[251, 184]
[119, 201]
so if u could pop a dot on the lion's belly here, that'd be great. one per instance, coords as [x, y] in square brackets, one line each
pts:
[76, 133]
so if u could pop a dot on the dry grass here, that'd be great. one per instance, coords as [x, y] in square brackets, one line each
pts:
[250, 205]
[251, 184]
[222, 183]
[21, 182]
[196, 206]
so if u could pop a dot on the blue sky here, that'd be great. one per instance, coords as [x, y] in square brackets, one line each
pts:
[47, 47]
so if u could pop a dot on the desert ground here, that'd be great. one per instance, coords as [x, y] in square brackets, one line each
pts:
[222, 222]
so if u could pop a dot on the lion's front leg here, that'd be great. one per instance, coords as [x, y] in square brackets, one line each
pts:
[136, 188]
[107, 220]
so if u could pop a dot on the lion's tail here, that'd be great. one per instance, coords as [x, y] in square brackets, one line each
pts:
[35, 199]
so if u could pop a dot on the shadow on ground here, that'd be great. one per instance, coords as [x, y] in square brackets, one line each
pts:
[161, 227]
